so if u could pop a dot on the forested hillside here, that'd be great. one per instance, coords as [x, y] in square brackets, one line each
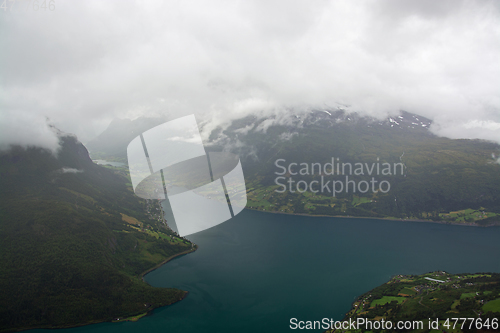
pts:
[431, 177]
[74, 240]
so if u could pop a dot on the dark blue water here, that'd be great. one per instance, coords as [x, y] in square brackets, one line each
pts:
[258, 270]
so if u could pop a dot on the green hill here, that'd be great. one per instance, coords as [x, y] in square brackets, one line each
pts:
[74, 240]
[442, 297]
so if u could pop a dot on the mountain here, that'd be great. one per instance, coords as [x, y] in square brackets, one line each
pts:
[415, 174]
[74, 241]
[110, 143]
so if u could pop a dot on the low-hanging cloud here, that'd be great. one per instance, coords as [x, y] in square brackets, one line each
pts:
[87, 62]
[27, 129]
[69, 170]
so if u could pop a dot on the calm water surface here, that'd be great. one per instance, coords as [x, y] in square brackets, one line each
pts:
[258, 270]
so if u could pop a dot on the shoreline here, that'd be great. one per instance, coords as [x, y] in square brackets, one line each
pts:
[382, 218]
[144, 314]
[165, 261]
[193, 248]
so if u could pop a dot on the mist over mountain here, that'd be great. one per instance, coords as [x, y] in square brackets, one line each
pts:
[437, 175]
[111, 141]
[69, 256]
[435, 58]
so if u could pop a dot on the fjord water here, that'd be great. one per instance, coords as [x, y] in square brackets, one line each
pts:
[256, 271]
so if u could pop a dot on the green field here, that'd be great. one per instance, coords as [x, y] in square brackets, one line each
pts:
[467, 215]
[408, 291]
[467, 295]
[386, 299]
[493, 306]
[359, 200]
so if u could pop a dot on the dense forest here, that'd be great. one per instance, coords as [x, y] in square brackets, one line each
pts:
[74, 240]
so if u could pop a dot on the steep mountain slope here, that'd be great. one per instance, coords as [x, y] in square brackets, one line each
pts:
[74, 240]
[430, 177]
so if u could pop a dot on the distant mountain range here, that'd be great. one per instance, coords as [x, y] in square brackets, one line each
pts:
[114, 140]
[74, 240]
[432, 178]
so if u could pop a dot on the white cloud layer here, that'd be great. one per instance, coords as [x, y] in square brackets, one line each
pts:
[26, 129]
[87, 62]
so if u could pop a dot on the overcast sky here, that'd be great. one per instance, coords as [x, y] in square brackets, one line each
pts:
[87, 62]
